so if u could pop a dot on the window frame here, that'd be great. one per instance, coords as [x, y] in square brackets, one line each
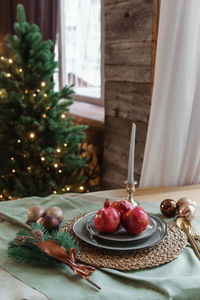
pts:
[78, 97]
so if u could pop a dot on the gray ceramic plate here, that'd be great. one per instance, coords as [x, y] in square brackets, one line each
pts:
[81, 231]
[122, 235]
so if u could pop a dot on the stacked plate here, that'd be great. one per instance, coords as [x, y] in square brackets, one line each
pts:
[121, 240]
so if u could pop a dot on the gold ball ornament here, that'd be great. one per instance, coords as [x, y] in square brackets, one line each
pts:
[56, 212]
[34, 213]
[188, 211]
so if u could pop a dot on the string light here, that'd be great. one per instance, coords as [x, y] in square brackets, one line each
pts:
[9, 197]
[55, 192]
[38, 90]
[59, 171]
[20, 70]
[2, 57]
[65, 145]
[68, 188]
[63, 189]
[44, 116]
[55, 165]
[22, 97]
[63, 116]
[42, 158]
[13, 170]
[25, 155]
[1, 196]
[45, 95]
[81, 188]
[19, 141]
[10, 61]
[2, 176]
[43, 83]
[32, 135]
[29, 168]
[34, 94]
[58, 150]
[12, 158]
[8, 75]
[48, 107]
[26, 91]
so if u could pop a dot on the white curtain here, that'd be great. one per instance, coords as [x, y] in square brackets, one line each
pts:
[172, 154]
[80, 23]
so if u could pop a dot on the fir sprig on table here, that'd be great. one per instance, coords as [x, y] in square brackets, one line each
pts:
[23, 249]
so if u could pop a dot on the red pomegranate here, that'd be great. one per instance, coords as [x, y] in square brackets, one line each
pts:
[107, 219]
[121, 206]
[135, 220]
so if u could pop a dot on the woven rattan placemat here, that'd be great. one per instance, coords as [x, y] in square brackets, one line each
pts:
[168, 250]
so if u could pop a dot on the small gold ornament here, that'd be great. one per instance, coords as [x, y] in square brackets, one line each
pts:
[34, 213]
[56, 212]
[48, 107]
[26, 91]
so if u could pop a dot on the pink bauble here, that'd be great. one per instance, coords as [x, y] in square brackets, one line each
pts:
[185, 200]
[188, 211]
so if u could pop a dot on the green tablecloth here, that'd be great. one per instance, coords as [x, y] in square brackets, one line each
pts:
[179, 279]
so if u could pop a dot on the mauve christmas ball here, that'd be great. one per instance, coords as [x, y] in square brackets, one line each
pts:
[183, 200]
[50, 223]
[56, 212]
[168, 208]
[188, 211]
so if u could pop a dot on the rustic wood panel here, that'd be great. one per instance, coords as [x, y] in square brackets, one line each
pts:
[128, 53]
[108, 2]
[129, 20]
[128, 45]
[128, 73]
[129, 101]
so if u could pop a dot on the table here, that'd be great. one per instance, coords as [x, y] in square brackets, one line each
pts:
[20, 290]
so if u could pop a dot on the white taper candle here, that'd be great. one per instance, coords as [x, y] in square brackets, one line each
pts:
[131, 156]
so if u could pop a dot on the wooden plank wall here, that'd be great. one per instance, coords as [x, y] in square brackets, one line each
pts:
[128, 43]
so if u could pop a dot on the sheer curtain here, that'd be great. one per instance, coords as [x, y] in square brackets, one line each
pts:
[81, 45]
[172, 154]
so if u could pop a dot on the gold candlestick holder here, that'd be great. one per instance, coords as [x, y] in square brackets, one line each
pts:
[131, 189]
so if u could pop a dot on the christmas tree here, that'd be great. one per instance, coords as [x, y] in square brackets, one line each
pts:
[39, 144]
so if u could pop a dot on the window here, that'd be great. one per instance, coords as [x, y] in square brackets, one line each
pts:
[80, 45]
